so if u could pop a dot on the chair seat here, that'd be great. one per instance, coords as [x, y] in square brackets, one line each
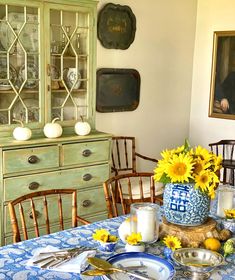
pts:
[159, 188]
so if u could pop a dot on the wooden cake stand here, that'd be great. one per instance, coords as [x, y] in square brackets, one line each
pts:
[195, 235]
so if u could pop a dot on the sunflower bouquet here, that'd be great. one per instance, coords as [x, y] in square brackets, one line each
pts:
[190, 165]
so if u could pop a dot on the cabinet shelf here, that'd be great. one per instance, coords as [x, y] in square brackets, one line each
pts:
[26, 91]
[63, 90]
[59, 55]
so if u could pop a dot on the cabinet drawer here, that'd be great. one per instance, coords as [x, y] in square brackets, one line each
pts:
[72, 178]
[81, 153]
[30, 159]
[91, 201]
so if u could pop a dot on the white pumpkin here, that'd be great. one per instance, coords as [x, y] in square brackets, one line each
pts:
[124, 230]
[82, 128]
[53, 129]
[22, 133]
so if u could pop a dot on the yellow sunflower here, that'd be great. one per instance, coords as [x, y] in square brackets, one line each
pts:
[203, 153]
[178, 150]
[172, 242]
[167, 154]
[180, 168]
[160, 169]
[211, 190]
[200, 165]
[217, 162]
[203, 180]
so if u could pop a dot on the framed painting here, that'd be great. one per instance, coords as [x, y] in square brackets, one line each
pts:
[222, 91]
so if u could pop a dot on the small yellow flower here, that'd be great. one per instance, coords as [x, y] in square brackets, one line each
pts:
[229, 213]
[172, 242]
[134, 238]
[104, 236]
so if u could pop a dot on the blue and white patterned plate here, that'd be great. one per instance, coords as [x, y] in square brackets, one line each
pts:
[155, 267]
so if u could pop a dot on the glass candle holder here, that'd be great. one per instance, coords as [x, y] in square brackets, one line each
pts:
[225, 199]
[145, 220]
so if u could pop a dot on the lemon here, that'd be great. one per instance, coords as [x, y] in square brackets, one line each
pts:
[212, 244]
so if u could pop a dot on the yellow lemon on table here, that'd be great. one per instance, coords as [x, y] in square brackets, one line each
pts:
[212, 244]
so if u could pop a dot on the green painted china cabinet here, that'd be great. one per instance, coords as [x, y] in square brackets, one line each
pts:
[47, 71]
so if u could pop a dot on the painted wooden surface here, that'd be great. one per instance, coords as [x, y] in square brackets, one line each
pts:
[61, 163]
[69, 178]
[19, 160]
[87, 177]
[85, 152]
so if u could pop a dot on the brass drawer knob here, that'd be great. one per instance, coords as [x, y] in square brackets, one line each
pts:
[87, 177]
[86, 203]
[33, 159]
[33, 186]
[86, 153]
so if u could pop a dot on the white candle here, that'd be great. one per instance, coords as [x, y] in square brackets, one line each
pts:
[146, 223]
[225, 201]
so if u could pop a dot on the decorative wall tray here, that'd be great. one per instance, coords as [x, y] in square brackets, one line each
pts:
[117, 90]
[116, 26]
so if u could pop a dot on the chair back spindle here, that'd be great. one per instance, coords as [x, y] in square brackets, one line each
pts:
[43, 208]
[123, 190]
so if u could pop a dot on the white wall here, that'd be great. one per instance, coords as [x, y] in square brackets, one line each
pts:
[212, 15]
[163, 54]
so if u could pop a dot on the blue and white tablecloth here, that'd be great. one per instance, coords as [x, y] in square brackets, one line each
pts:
[13, 258]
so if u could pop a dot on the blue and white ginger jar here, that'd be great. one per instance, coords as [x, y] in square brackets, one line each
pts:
[185, 205]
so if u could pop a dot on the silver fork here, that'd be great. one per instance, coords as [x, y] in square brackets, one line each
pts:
[62, 261]
[70, 250]
[58, 256]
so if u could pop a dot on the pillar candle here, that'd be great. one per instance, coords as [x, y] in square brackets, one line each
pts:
[146, 223]
[225, 201]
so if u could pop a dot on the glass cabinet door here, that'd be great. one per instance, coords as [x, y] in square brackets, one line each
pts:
[69, 64]
[19, 64]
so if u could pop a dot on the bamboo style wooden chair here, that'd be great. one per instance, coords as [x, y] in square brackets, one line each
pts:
[123, 190]
[37, 213]
[225, 148]
[124, 155]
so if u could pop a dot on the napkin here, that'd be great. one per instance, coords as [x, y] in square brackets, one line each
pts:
[76, 264]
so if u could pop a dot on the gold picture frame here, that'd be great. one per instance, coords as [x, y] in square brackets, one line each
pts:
[222, 90]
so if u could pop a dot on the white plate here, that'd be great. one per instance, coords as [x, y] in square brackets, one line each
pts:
[32, 74]
[4, 85]
[155, 267]
[28, 36]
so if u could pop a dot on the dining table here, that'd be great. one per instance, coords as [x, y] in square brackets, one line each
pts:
[14, 257]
